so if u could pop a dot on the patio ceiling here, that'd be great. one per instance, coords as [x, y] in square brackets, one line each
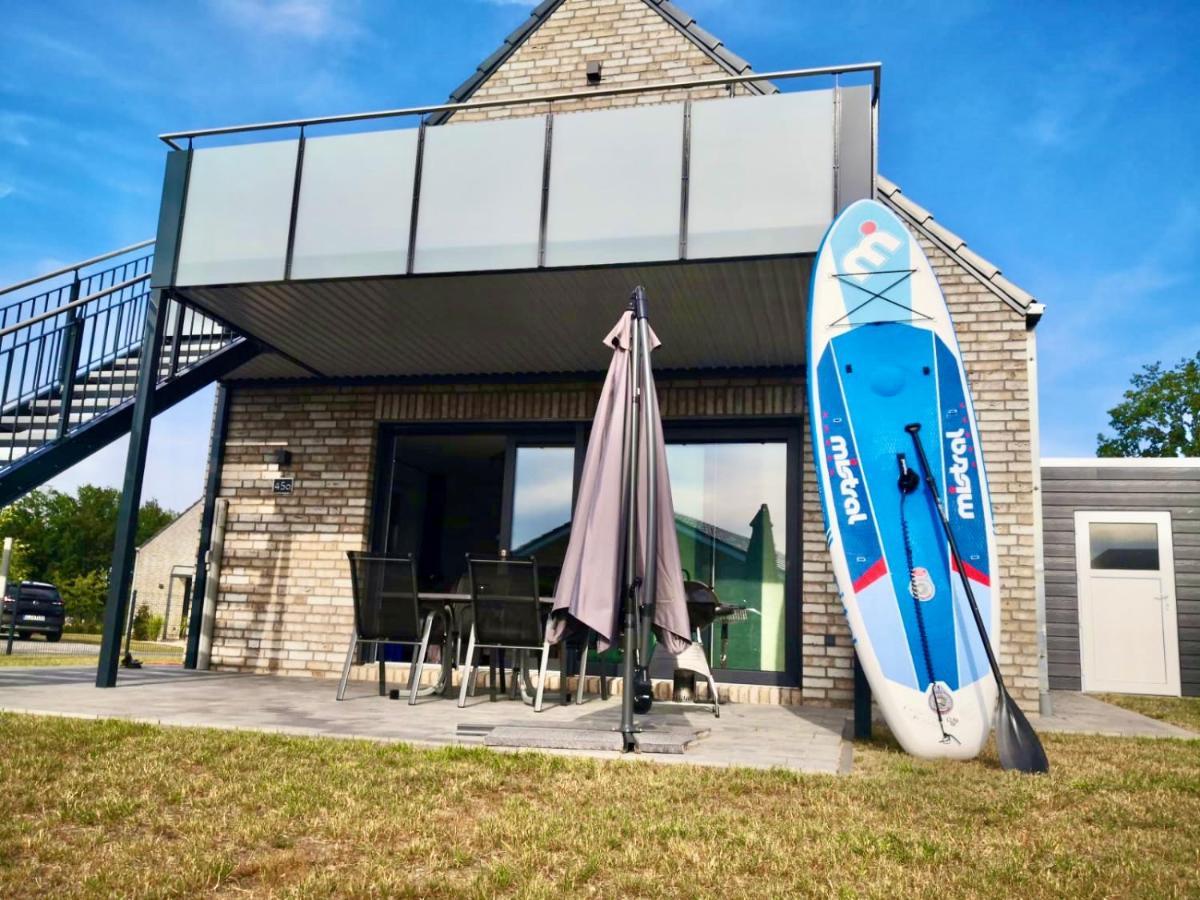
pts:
[709, 315]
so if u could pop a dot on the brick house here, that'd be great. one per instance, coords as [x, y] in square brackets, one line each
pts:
[165, 568]
[455, 421]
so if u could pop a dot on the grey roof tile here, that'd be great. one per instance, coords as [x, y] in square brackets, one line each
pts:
[985, 268]
[496, 58]
[987, 271]
[706, 38]
[522, 31]
[945, 235]
[1019, 294]
[670, 9]
[465, 89]
[916, 211]
[731, 59]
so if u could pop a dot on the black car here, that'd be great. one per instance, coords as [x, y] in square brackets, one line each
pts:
[39, 609]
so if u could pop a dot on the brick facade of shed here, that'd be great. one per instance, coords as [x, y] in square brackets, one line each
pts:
[284, 600]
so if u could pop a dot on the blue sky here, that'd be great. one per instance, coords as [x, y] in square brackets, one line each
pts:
[1059, 139]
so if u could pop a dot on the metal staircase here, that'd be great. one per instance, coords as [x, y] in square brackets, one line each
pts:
[70, 347]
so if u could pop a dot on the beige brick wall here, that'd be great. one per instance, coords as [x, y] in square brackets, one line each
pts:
[284, 603]
[174, 546]
[285, 596]
[634, 44]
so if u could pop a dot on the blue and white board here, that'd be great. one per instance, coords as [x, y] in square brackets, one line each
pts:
[883, 354]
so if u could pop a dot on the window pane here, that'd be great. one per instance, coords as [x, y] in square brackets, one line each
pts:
[731, 518]
[1124, 545]
[541, 519]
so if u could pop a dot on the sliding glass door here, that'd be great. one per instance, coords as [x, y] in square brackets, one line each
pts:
[731, 517]
[450, 491]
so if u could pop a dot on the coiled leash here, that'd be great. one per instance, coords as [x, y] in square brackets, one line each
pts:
[909, 481]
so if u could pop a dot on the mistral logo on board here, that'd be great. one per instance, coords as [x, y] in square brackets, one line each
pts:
[871, 252]
[964, 493]
[848, 481]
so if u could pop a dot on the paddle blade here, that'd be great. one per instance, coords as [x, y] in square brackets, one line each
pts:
[1018, 745]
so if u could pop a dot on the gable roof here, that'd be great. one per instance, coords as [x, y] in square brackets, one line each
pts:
[712, 47]
[175, 521]
[917, 216]
[988, 273]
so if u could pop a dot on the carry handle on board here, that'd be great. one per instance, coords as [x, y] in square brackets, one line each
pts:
[1016, 742]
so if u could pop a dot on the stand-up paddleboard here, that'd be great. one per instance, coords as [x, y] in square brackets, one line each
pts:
[883, 356]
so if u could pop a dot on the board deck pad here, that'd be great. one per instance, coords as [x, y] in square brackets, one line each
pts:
[883, 355]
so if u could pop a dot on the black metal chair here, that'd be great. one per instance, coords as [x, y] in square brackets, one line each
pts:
[506, 615]
[387, 611]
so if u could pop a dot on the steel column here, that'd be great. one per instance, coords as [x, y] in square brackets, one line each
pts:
[629, 470]
[216, 458]
[862, 703]
[120, 578]
[69, 362]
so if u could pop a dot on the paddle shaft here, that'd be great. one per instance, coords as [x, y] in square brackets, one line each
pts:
[914, 431]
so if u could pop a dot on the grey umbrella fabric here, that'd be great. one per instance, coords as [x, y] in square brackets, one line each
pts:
[589, 588]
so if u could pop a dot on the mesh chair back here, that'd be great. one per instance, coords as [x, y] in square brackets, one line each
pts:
[385, 597]
[504, 600]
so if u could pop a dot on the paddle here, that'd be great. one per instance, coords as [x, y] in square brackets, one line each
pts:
[1016, 741]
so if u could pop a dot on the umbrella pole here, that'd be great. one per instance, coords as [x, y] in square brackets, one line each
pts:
[644, 696]
[630, 472]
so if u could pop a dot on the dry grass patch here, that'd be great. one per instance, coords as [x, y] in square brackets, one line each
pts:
[96, 809]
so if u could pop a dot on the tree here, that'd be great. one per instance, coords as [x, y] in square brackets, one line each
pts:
[1160, 415]
[64, 537]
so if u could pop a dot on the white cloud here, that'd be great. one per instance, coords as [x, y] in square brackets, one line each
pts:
[309, 19]
[5, 189]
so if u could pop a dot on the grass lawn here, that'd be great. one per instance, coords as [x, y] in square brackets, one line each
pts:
[1181, 711]
[102, 808]
[39, 652]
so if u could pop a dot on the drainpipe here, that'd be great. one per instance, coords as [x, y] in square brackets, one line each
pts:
[211, 586]
[1039, 551]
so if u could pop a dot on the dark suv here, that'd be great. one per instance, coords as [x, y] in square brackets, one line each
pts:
[39, 609]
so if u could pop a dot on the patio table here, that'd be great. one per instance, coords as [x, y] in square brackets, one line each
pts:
[455, 602]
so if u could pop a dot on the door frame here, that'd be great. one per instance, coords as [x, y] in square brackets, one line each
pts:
[1166, 566]
[750, 429]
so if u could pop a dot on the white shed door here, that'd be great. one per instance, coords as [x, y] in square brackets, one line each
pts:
[1128, 633]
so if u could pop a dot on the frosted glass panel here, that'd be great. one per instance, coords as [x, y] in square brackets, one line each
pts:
[761, 175]
[481, 196]
[239, 207]
[615, 182]
[355, 205]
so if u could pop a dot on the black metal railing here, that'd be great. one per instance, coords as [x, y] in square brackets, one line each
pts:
[70, 342]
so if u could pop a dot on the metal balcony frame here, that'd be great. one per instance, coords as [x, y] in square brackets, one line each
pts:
[875, 68]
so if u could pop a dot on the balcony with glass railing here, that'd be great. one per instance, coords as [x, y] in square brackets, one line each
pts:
[470, 234]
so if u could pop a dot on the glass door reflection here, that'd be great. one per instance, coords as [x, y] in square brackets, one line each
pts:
[542, 494]
[731, 519]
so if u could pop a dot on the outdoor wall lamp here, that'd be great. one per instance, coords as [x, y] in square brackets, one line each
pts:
[281, 458]
[593, 71]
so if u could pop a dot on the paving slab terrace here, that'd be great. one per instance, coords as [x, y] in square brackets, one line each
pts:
[1077, 713]
[798, 738]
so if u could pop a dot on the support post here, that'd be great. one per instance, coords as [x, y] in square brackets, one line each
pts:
[120, 579]
[69, 363]
[216, 458]
[629, 582]
[862, 703]
[12, 622]
[208, 622]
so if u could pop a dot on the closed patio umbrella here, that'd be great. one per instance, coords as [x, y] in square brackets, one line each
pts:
[624, 517]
